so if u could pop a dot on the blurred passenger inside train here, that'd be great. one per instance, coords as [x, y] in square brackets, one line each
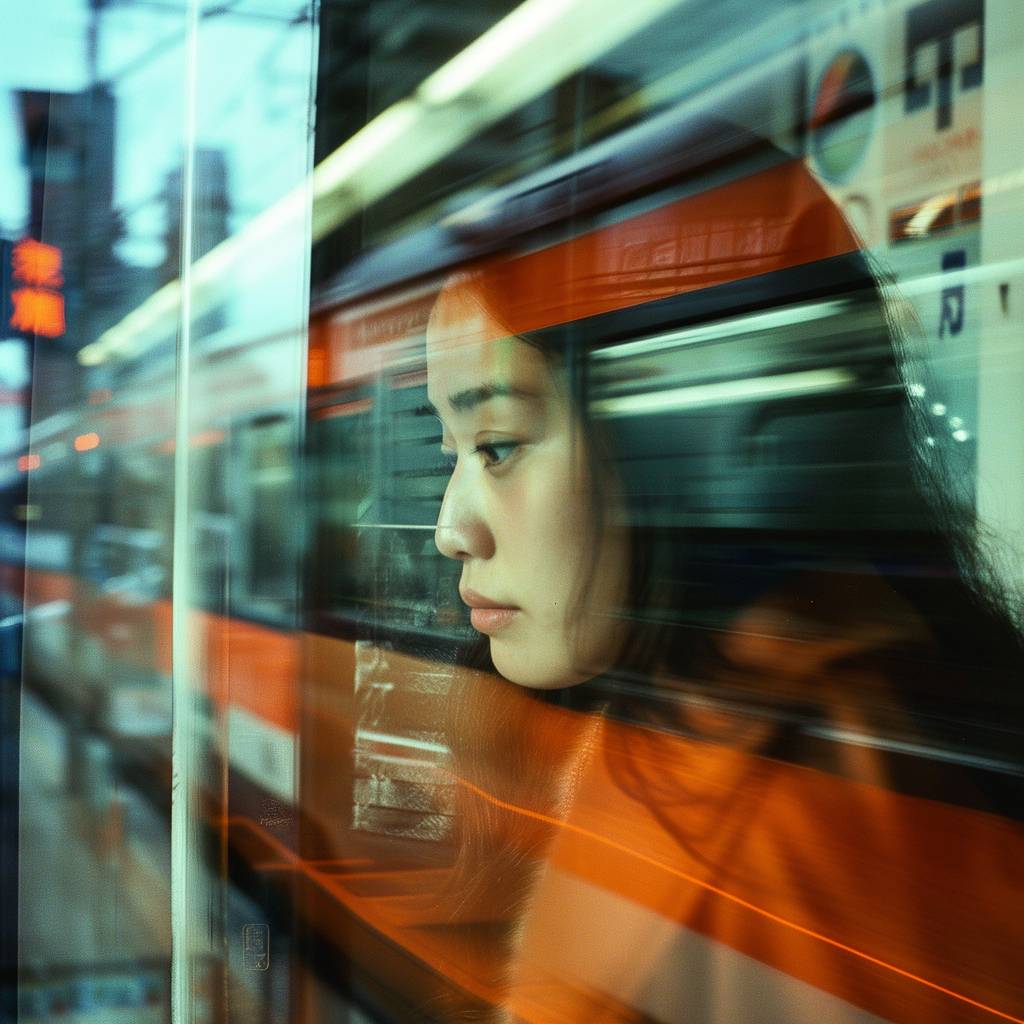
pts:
[724, 762]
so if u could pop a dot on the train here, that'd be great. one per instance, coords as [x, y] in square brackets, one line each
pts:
[714, 274]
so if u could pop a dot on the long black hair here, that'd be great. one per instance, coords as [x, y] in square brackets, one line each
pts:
[859, 506]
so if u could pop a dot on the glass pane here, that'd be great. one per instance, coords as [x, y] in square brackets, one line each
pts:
[234, 673]
[151, 443]
[92, 139]
[662, 590]
[512, 513]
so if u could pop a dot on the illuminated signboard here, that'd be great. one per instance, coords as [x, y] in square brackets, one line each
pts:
[37, 302]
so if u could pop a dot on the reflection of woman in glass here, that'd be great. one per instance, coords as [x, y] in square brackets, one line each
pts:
[518, 509]
[742, 823]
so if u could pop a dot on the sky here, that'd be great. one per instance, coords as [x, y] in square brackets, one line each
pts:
[47, 51]
[254, 106]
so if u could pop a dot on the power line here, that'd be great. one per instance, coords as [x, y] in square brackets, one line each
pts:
[173, 39]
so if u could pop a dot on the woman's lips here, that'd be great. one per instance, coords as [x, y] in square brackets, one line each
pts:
[490, 620]
[487, 616]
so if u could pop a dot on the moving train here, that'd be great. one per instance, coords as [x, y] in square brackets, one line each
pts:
[732, 334]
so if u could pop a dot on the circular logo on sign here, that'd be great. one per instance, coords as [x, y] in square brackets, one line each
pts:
[842, 118]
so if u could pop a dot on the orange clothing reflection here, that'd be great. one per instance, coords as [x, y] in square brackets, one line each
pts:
[614, 871]
[694, 871]
[817, 896]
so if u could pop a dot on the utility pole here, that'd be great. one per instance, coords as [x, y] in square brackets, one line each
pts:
[92, 41]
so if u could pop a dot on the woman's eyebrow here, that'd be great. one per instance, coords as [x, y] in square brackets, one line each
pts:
[462, 401]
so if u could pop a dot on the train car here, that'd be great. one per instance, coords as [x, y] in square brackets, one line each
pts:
[812, 814]
[98, 579]
[736, 343]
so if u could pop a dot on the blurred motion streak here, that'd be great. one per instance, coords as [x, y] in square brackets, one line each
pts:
[538, 45]
[731, 897]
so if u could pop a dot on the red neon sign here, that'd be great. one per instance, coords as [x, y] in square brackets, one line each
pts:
[38, 312]
[39, 306]
[37, 264]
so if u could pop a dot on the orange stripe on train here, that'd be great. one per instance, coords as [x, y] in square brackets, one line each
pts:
[769, 221]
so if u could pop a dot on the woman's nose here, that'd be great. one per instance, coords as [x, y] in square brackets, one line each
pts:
[462, 531]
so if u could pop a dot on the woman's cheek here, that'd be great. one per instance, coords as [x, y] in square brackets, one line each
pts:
[559, 513]
[510, 518]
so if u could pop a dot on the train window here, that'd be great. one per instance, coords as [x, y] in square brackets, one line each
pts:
[213, 522]
[373, 509]
[267, 534]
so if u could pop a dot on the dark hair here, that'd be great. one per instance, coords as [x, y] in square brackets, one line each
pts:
[881, 523]
[868, 559]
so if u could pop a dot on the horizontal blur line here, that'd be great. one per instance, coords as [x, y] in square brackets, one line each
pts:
[804, 382]
[391, 740]
[390, 526]
[917, 749]
[414, 762]
[786, 317]
[50, 610]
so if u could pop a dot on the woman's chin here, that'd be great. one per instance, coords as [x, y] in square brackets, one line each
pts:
[527, 669]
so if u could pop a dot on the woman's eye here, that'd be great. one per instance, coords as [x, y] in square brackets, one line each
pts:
[497, 452]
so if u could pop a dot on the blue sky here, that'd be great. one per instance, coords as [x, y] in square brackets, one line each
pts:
[254, 87]
[43, 48]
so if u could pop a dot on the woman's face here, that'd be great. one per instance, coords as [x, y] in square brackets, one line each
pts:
[542, 581]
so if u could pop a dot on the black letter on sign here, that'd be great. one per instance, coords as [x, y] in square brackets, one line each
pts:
[952, 316]
[938, 21]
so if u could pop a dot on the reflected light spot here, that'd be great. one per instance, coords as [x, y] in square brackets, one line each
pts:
[86, 442]
[204, 438]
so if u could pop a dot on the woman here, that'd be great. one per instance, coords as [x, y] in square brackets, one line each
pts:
[513, 438]
[733, 799]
